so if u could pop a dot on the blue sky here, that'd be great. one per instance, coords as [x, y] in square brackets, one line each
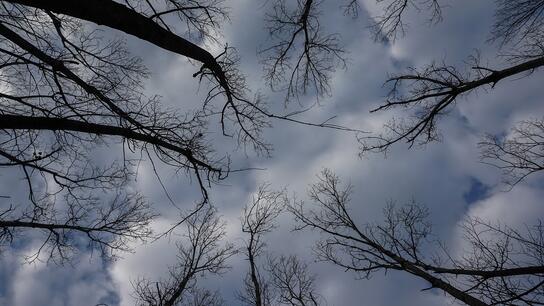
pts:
[447, 177]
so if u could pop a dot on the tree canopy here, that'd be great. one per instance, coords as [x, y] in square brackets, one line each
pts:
[78, 121]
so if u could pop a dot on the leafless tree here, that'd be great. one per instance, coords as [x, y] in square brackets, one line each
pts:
[91, 86]
[201, 252]
[203, 297]
[107, 228]
[300, 56]
[429, 93]
[220, 70]
[501, 265]
[68, 93]
[283, 280]
[518, 154]
[257, 220]
[68, 90]
[293, 284]
[390, 24]
[518, 20]
[201, 19]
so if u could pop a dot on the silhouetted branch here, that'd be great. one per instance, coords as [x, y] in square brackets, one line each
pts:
[202, 19]
[293, 282]
[517, 20]
[108, 228]
[519, 154]
[501, 264]
[258, 219]
[200, 253]
[300, 56]
[390, 24]
[429, 96]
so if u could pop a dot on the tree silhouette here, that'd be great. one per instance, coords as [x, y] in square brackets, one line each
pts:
[282, 280]
[200, 253]
[300, 56]
[69, 94]
[501, 265]
[429, 93]
[519, 154]
[258, 219]
[293, 283]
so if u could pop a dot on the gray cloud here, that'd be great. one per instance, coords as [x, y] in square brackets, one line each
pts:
[438, 176]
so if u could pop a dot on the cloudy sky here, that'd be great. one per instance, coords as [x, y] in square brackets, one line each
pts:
[447, 177]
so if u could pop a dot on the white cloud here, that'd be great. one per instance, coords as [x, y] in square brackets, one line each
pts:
[521, 205]
[437, 176]
[85, 283]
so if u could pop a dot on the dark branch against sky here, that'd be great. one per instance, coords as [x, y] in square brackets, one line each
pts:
[459, 119]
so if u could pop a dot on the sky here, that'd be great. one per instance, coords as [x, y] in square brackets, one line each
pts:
[447, 177]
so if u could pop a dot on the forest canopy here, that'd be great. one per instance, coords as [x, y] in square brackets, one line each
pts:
[214, 152]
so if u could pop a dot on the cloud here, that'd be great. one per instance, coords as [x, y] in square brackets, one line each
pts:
[149, 261]
[438, 176]
[522, 205]
[86, 283]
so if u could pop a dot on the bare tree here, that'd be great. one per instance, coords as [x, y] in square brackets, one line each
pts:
[283, 280]
[390, 24]
[107, 228]
[203, 297]
[229, 83]
[199, 253]
[92, 86]
[429, 93]
[519, 154]
[201, 19]
[518, 21]
[292, 281]
[300, 55]
[502, 266]
[67, 94]
[257, 220]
